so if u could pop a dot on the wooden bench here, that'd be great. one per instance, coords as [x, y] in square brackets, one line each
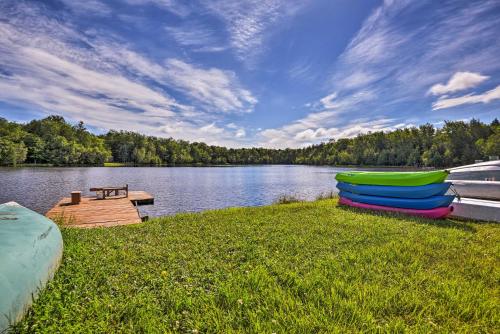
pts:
[108, 191]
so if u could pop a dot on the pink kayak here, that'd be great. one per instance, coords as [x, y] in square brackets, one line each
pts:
[435, 213]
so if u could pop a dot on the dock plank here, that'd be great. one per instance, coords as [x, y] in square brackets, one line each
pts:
[94, 212]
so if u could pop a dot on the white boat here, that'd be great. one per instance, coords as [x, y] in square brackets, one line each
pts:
[493, 165]
[476, 209]
[477, 200]
[489, 190]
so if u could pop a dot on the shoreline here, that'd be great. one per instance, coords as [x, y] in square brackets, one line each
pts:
[120, 165]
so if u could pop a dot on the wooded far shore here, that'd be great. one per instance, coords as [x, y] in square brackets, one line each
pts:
[55, 142]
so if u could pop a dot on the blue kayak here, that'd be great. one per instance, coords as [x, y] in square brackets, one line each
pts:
[405, 203]
[433, 189]
[30, 251]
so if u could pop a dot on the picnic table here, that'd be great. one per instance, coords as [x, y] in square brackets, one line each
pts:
[110, 191]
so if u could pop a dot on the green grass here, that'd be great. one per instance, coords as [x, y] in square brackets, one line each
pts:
[294, 268]
[287, 199]
[115, 164]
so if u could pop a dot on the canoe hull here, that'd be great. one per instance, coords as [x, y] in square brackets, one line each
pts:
[489, 190]
[435, 189]
[477, 209]
[436, 213]
[30, 252]
[404, 203]
[392, 178]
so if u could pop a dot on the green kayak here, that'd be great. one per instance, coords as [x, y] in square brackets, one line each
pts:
[393, 178]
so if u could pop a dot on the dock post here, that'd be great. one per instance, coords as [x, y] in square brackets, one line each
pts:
[76, 197]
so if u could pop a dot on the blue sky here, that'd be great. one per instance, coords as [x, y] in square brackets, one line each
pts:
[272, 73]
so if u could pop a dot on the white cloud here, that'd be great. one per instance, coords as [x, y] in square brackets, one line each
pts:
[459, 81]
[127, 60]
[303, 70]
[55, 84]
[314, 135]
[240, 133]
[359, 78]
[392, 62]
[299, 133]
[328, 102]
[487, 97]
[211, 129]
[197, 36]
[319, 127]
[176, 7]
[376, 42]
[49, 67]
[249, 22]
[211, 134]
[398, 61]
[345, 103]
[86, 7]
[215, 88]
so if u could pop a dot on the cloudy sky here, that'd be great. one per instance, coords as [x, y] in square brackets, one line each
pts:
[273, 73]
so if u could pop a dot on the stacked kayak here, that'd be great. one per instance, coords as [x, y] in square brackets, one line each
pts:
[415, 193]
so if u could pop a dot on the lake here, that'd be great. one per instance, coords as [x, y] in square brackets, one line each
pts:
[176, 189]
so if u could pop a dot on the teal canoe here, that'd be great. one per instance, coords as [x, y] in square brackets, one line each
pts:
[31, 248]
[393, 178]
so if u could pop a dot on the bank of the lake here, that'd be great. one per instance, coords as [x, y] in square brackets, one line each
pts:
[303, 267]
[178, 189]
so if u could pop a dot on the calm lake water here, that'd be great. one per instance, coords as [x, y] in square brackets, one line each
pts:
[176, 189]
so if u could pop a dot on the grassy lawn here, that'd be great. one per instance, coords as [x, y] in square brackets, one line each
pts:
[295, 268]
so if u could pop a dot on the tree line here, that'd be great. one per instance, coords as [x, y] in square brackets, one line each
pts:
[54, 141]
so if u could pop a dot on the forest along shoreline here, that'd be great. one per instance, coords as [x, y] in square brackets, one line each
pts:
[53, 141]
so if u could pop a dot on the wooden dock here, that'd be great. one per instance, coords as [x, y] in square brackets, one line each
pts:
[94, 212]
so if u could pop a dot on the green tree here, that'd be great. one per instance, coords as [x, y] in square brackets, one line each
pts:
[12, 153]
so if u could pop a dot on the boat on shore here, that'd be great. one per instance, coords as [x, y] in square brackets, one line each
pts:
[436, 213]
[489, 190]
[492, 165]
[478, 199]
[413, 193]
[476, 209]
[404, 203]
[392, 191]
[433, 189]
[31, 249]
[393, 178]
